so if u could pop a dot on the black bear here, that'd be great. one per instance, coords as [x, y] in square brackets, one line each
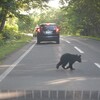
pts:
[68, 58]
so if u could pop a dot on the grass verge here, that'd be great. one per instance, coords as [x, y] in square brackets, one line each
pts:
[91, 37]
[12, 46]
[96, 38]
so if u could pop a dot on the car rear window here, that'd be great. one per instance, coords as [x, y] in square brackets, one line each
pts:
[48, 27]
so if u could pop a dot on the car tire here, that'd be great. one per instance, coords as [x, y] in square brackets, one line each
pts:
[38, 41]
[57, 41]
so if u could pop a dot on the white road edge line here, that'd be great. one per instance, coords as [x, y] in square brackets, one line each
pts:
[78, 49]
[15, 63]
[65, 40]
[97, 64]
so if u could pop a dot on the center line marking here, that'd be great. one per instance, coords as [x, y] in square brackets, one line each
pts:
[98, 65]
[2, 76]
[78, 49]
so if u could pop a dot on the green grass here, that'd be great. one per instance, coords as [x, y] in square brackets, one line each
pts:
[96, 38]
[12, 46]
[91, 37]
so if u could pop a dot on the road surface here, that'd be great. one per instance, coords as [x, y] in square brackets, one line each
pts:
[34, 67]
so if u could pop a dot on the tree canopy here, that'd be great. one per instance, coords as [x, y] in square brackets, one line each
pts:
[82, 16]
[74, 16]
[10, 8]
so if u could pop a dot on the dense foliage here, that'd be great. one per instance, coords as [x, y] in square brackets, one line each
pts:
[10, 8]
[82, 16]
[13, 11]
[74, 17]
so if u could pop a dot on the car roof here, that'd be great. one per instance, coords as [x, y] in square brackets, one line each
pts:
[48, 24]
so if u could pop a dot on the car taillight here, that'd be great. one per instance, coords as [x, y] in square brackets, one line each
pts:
[57, 29]
[38, 30]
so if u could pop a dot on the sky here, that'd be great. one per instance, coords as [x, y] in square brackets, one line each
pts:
[51, 3]
[54, 3]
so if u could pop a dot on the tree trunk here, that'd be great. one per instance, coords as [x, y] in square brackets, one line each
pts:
[3, 19]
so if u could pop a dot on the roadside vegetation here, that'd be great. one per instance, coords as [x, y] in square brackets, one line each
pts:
[11, 46]
[82, 17]
[18, 17]
[75, 17]
[15, 23]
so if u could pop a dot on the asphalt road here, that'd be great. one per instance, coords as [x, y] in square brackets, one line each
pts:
[34, 66]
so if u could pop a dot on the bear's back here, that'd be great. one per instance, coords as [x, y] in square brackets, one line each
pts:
[68, 57]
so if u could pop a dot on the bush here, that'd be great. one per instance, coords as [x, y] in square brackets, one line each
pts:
[10, 32]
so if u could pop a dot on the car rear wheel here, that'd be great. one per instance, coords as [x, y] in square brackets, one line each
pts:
[57, 41]
[38, 41]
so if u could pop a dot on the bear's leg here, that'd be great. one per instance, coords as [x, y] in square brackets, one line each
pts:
[71, 66]
[57, 66]
[68, 66]
[63, 65]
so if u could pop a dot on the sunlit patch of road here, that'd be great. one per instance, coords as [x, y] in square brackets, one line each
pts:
[60, 81]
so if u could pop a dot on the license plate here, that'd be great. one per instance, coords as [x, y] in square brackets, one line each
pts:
[48, 32]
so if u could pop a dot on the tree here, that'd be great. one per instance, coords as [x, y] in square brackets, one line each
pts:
[10, 7]
[82, 16]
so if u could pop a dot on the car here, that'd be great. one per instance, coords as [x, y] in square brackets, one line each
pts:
[48, 32]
